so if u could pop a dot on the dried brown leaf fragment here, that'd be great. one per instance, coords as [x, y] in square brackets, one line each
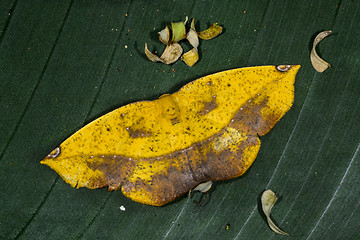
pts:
[318, 63]
[192, 56]
[176, 32]
[164, 35]
[193, 38]
[170, 55]
[268, 200]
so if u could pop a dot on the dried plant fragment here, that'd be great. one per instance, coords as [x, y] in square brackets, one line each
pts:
[164, 35]
[151, 56]
[178, 31]
[318, 63]
[203, 187]
[193, 38]
[268, 200]
[213, 31]
[192, 24]
[170, 55]
[191, 57]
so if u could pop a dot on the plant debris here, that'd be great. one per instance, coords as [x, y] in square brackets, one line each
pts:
[213, 31]
[227, 227]
[164, 35]
[191, 57]
[268, 200]
[170, 55]
[176, 32]
[192, 36]
[202, 187]
[318, 63]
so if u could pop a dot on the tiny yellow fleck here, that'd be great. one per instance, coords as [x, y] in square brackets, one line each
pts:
[227, 226]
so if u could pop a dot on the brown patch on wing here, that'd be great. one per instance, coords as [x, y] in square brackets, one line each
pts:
[137, 133]
[208, 106]
[115, 168]
[190, 167]
[201, 162]
[252, 120]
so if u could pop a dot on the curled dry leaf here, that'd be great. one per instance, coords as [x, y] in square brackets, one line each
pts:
[176, 32]
[164, 35]
[213, 31]
[170, 55]
[268, 200]
[151, 56]
[192, 24]
[202, 187]
[191, 57]
[318, 63]
[156, 151]
[193, 38]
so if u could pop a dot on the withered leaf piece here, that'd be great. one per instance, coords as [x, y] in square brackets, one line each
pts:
[156, 151]
[192, 36]
[213, 31]
[164, 35]
[203, 187]
[268, 200]
[190, 57]
[176, 32]
[170, 55]
[318, 63]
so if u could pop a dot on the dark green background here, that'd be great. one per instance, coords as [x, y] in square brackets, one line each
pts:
[65, 63]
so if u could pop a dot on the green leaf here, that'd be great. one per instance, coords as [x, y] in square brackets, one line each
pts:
[64, 63]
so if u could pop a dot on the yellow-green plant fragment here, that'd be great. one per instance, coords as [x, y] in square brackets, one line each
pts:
[191, 57]
[178, 31]
[213, 31]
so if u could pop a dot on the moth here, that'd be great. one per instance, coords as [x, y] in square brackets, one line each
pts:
[156, 151]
